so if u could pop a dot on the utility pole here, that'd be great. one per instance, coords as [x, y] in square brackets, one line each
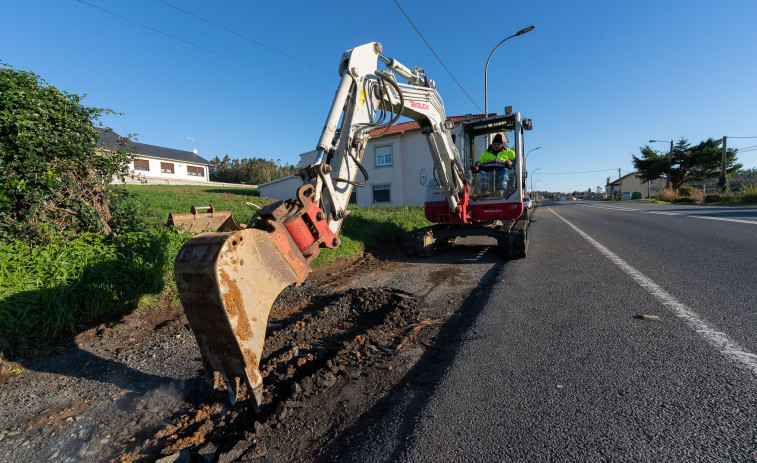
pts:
[723, 182]
[670, 164]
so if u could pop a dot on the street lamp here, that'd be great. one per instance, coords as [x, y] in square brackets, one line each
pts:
[532, 179]
[533, 184]
[532, 149]
[670, 158]
[486, 70]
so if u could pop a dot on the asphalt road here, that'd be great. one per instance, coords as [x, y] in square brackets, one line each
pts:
[557, 364]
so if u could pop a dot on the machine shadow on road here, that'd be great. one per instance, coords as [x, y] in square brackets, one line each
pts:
[79, 363]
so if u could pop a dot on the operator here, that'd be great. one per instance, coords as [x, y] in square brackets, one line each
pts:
[497, 151]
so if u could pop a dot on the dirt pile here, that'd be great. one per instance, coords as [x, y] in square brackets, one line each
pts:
[317, 341]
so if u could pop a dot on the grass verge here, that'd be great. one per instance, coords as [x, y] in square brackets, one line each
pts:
[49, 293]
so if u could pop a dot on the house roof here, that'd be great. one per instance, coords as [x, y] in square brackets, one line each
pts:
[110, 138]
[412, 126]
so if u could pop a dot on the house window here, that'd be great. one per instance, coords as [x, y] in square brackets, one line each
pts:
[198, 171]
[382, 193]
[166, 167]
[141, 164]
[353, 197]
[383, 155]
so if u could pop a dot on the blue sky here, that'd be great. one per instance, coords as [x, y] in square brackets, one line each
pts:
[598, 78]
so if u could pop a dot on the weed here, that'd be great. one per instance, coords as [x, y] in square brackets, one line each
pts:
[748, 192]
[52, 290]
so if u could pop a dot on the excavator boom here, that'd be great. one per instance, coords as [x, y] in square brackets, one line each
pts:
[227, 282]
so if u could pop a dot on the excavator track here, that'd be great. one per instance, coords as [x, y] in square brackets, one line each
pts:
[512, 239]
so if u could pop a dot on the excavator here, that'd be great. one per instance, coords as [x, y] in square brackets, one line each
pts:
[228, 280]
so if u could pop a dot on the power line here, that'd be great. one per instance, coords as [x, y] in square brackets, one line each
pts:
[245, 37]
[584, 172]
[205, 49]
[437, 56]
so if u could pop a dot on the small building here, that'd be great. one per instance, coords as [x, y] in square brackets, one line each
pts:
[398, 163]
[631, 186]
[152, 163]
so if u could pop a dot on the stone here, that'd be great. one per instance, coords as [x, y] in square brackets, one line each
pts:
[208, 452]
[236, 452]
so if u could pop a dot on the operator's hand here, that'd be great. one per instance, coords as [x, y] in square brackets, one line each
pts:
[509, 164]
[476, 166]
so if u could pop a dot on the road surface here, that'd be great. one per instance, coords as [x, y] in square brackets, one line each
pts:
[560, 363]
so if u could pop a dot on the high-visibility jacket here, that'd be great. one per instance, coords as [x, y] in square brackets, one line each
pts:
[502, 155]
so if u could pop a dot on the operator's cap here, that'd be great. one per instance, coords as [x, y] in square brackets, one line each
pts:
[497, 138]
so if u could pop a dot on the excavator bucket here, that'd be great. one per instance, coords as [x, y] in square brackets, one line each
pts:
[197, 221]
[227, 284]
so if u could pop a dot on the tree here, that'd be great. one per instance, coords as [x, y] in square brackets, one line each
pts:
[52, 179]
[252, 171]
[686, 162]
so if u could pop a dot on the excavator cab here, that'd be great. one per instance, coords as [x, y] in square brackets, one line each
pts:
[493, 179]
[497, 190]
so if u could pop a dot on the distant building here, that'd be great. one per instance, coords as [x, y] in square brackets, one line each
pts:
[156, 163]
[631, 186]
[398, 163]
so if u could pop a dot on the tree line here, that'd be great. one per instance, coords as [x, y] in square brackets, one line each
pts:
[250, 171]
[686, 163]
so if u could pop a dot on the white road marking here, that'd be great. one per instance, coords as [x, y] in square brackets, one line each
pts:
[693, 216]
[718, 339]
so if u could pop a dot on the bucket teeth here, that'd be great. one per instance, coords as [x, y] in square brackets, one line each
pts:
[227, 284]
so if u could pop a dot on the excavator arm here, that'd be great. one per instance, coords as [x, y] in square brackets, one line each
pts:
[227, 282]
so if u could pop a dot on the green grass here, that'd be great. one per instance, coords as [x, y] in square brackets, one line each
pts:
[164, 199]
[50, 292]
[373, 227]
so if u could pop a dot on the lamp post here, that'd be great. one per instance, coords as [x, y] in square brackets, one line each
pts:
[533, 184]
[486, 70]
[533, 149]
[532, 180]
[670, 158]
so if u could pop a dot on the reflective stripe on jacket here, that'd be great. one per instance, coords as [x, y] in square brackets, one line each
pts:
[503, 155]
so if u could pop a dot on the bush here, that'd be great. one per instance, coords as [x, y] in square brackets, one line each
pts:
[687, 194]
[667, 195]
[51, 178]
[747, 193]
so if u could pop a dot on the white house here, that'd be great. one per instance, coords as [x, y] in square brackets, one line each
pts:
[159, 163]
[398, 163]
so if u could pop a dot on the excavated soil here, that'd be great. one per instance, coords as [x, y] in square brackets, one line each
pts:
[136, 391]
